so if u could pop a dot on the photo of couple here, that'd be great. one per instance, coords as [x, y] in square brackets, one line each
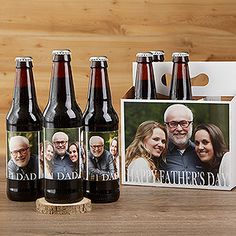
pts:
[181, 144]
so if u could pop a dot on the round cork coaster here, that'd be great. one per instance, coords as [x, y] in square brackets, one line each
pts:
[45, 207]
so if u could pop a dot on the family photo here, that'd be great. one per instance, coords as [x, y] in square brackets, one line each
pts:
[62, 156]
[169, 143]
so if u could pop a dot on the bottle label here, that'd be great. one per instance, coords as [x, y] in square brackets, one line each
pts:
[101, 156]
[62, 153]
[23, 156]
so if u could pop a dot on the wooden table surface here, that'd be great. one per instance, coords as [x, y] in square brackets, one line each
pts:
[139, 211]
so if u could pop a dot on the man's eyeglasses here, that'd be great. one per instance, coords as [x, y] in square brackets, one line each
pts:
[182, 123]
[57, 143]
[22, 151]
[96, 146]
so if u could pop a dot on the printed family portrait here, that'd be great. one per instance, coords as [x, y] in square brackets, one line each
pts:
[62, 154]
[176, 143]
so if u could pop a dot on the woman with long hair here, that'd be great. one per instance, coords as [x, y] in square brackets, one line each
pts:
[114, 150]
[49, 154]
[211, 148]
[146, 152]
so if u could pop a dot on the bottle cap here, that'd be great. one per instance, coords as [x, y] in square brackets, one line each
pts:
[157, 52]
[158, 55]
[100, 61]
[61, 55]
[180, 56]
[100, 58]
[23, 59]
[61, 52]
[27, 60]
[144, 57]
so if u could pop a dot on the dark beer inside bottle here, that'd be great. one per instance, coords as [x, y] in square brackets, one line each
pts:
[62, 111]
[24, 116]
[144, 81]
[158, 56]
[180, 84]
[100, 116]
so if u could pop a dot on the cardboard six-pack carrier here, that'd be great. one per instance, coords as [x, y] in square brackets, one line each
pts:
[215, 103]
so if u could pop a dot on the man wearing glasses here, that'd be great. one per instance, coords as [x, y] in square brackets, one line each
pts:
[182, 164]
[100, 161]
[62, 165]
[21, 166]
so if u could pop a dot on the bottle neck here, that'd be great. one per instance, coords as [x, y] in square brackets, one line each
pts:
[180, 84]
[24, 93]
[62, 87]
[181, 70]
[144, 82]
[99, 89]
[158, 58]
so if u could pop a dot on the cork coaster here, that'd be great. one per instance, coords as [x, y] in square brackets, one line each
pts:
[45, 207]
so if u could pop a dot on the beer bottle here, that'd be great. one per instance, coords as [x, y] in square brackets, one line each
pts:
[144, 81]
[158, 56]
[180, 88]
[62, 122]
[101, 180]
[24, 129]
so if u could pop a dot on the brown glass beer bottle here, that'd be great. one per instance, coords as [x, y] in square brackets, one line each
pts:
[24, 130]
[144, 81]
[158, 56]
[180, 88]
[101, 179]
[62, 128]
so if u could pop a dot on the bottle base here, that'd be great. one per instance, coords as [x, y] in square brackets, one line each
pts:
[60, 199]
[100, 197]
[63, 191]
[22, 191]
[22, 196]
[102, 191]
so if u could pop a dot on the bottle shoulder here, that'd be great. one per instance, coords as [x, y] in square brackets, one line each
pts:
[24, 120]
[61, 116]
[100, 121]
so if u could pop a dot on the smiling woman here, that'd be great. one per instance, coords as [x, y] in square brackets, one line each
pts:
[146, 152]
[210, 147]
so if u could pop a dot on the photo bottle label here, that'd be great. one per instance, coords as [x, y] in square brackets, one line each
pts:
[62, 153]
[23, 155]
[101, 156]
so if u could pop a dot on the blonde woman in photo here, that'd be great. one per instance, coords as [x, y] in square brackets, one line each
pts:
[49, 153]
[146, 152]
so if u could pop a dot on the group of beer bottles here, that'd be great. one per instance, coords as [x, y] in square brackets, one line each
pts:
[62, 154]
[145, 88]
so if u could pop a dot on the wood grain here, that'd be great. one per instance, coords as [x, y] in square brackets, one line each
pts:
[139, 211]
[118, 29]
[45, 207]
